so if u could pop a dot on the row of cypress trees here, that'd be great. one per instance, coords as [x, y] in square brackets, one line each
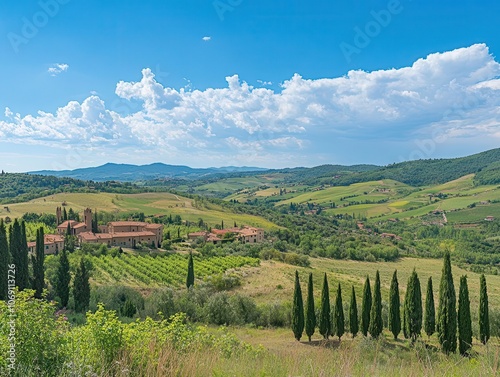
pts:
[14, 251]
[412, 317]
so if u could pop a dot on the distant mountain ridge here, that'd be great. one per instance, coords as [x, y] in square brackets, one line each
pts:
[131, 173]
[414, 173]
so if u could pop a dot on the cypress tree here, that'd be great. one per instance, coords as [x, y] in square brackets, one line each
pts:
[394, 307]
[95, 224]
[297, 309]
[19, 252]
[190, 272]
[37, 261]
[310, 312]
[338, 315]
[366, 307]
[324, 316]
[464, 319]
[447, 313]
[484, 318]
[4, 261]
[353, 314]
[430, 311]
[63, 279]
[376, 324]
[413, 307]
[65, 214]
[81, 287]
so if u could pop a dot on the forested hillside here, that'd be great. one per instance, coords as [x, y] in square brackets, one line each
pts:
[20, 187]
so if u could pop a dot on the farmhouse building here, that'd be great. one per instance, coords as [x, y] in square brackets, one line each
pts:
[245, 234]
[53, 243]
[125, 234]
[115, 233]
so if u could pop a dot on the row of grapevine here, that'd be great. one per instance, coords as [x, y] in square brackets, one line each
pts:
[146, 270]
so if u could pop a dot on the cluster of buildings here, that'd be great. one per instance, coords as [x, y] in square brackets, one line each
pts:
[115, 234]
[246, 234]
[131, 233]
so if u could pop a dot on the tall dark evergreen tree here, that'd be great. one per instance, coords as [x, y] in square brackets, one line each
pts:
[430, 310]
[63, 278]
[484, 316]
[376, 323]
[81, 287]
[366, 307]
[5, 260]
[413, 307]
[447, 312]
[19, 252]
[464, 319]
[190, 272]
[338, 315]
[65, 214]
[353, 314]
[310, 311]
[324, 315]
[37, 261]
[95, 224]
[297, 309]
[394, 307]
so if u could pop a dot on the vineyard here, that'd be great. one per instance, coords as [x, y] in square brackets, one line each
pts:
[151, 271]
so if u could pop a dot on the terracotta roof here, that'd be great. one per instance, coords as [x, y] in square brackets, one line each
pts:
[71, 223]
[89, 236]
[80, 225]
[213, 237]
[49, 239]
[132, 234]
[128, 223]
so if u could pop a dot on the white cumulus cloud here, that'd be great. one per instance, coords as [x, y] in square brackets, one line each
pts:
[56, 69]
[454, 94]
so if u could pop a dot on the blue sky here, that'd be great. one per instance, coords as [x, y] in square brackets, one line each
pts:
[239, 82]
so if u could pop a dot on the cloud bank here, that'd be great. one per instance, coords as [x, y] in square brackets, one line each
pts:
[455, 95]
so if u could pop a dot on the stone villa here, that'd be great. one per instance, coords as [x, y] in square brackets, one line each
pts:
[246, 234]
[116, 233]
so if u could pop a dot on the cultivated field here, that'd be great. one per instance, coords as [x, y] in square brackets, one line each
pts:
[149, 203]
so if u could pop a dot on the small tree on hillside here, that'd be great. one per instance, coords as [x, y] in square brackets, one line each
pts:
[484, 318]
[394, 307]
[338, 315]
[353, 314]
[464, 319]
[297, 309]
[430, 311]
[413, 307]
[366, 307]
[447, 313]
[376, 324]
[310, 311]
[190, 272]
[324, 316]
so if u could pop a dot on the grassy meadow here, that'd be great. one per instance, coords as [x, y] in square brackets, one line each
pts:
[149, 203]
